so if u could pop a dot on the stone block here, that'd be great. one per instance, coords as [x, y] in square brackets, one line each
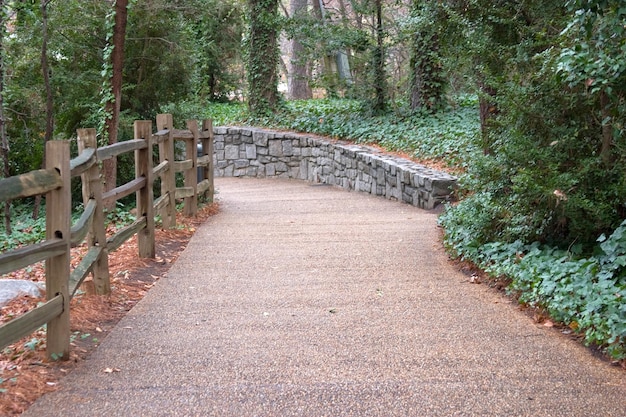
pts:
[443, 187]
[275, 147]
[428, 184]
[270, 170]
[259, 138]
[231, 152]
[304, 169]
[250, 151]
[241, 163]
[287, 148]
[281, 167]
[380, 176]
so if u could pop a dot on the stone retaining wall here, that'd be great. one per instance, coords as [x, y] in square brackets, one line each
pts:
[250, 152]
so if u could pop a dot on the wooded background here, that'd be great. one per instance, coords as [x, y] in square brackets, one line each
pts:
[549, 80]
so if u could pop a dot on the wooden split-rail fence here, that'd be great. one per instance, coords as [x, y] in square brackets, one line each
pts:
[54, 182]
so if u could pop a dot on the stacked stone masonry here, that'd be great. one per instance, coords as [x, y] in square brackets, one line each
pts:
[250, 152]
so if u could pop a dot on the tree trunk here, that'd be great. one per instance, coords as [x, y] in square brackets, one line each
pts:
[427, 80]
[45, 69]
[114, 105]
[380, 102]
[298, 68]
[343, 63]
[263, 57]
[328, 75]
[4, 142]
[488, 110]
[607, 130]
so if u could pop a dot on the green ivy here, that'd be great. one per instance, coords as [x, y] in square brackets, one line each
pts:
[588, 294]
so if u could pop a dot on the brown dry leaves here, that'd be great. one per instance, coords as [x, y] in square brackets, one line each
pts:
[25, 374]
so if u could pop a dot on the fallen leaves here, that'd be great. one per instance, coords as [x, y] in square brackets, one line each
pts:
[474, 279]
[25, 374]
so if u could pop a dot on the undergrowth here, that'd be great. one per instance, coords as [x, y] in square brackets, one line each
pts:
[449, 135]
[585, 293]
[27, 231]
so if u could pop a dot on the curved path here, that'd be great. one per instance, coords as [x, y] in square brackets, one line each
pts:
[304, 300]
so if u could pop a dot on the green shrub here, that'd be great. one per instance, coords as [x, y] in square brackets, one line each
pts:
[585, 293]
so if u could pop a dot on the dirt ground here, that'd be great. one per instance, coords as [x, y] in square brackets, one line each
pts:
[25, 373]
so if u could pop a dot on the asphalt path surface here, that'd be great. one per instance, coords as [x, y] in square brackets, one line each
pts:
[307, 300]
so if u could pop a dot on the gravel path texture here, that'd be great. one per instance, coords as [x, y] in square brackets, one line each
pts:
[306, 300]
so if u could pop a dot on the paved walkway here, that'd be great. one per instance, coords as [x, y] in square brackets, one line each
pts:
[304, 300]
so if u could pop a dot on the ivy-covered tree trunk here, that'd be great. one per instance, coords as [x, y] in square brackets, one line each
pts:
[45, 70]
[113, 106]
[4, 142]
[427, 80]
[263, 57]
[380, 78]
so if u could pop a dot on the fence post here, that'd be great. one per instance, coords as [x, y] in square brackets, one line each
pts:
[92, 189]
[207, 149]
[145, 196]
[168, 178]
[58, 219]
[190, 207]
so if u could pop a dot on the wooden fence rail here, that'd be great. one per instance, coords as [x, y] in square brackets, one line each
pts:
[54, 183]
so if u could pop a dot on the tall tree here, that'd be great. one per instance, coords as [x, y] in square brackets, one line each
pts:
[298, 67]
[328, 76]
[378, 64]
[4, 142]
[113, 104]
[427, 78]
[263, 56]
[343, 63]
[45, 70]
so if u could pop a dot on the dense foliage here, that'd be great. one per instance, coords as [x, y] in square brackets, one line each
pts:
[551, 179]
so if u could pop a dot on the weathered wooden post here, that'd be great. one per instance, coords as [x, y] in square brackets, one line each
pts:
[190, 207]
[145, 196]
[58, 223]
[92, 189]
[207, 151]
[168, 178]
